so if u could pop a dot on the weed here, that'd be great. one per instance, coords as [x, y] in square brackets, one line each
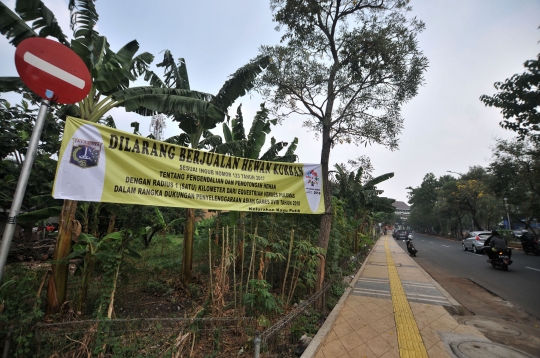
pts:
[154, 287]
[259, 299]
[307, 323]
[20, 307]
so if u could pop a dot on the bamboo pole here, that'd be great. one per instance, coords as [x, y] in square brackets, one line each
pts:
[234, 265]
[227, 257]
[288, 263]
[251, 261]
[242, 263]
[222, 255]
[210, 263]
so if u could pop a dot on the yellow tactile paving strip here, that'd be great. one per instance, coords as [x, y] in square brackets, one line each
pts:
[409, 339]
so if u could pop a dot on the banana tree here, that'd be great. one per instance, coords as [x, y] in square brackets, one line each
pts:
[93, 250]
[111, 74]
[250, 146]
[159, 224]
[196, 126]
[361, 198]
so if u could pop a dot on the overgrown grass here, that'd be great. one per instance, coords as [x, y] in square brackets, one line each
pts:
[150, 286]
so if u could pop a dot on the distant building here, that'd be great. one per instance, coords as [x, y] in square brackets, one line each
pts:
[402, 210]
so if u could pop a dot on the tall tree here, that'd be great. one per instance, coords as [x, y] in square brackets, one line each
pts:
[515, 169]
[111, 74]
[16, 125]
[423, 200]
[197, 125]
[250, 146]
[361, 196]
[519, 101]
[347, 66]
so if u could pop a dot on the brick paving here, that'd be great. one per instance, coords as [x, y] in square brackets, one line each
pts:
[390, 288]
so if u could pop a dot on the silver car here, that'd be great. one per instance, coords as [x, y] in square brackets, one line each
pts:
[475, 241]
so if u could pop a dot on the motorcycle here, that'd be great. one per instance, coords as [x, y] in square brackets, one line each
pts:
[501, 259]
[531, 246]
[410, 247]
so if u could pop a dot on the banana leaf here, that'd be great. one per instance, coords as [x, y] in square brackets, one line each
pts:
[12, 84]
[13, 27]
[41, 214]
[240, 82]
[30, 10]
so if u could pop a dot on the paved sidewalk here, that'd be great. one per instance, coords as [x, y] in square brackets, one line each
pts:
[393, 309]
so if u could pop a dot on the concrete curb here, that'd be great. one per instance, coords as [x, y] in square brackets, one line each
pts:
[313, 347]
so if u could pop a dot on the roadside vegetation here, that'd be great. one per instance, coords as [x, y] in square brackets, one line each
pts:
[125, 280]
[506, 189]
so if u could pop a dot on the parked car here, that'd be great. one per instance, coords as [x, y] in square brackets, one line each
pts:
[517, 234]
[402, 234]
[475, 241]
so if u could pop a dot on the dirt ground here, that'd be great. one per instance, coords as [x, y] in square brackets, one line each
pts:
[498, 319]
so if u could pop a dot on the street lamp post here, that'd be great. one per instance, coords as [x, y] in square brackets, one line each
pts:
[507, 215]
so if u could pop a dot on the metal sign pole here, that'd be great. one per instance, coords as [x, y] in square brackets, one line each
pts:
[21, 185]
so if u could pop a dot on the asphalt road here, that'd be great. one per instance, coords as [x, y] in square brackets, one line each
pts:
[520, 285]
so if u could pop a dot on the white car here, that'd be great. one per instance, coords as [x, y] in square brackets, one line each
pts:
[475, 241]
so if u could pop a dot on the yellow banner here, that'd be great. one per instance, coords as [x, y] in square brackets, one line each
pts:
[102, 164]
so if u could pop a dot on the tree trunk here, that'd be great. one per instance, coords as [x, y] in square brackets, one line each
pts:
[112, 222]
[187, 262]
[57, 289]
[356, 231]
[240, 249]
[326, 219]
[475, 222]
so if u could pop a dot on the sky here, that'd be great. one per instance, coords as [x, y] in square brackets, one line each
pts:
[470, 45]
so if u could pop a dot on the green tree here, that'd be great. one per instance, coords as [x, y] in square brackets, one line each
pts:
[515, 169]
[250, 146]
[348, 66]
[447, 207]
[361, 197]
[519, 101]
[423, 200]
[16, 125]
[111, 74]
[471, 189]
[197, 125]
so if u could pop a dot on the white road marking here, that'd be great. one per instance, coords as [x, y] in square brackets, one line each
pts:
[530, 268]
[445, 246]
[431, 243]
[472, 253]
[51, 69]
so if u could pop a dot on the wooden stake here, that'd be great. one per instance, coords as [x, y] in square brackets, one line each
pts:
[210, 263]
[234, 264]
[288, 263]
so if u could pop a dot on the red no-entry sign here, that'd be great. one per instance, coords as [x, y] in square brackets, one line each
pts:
[52, 70]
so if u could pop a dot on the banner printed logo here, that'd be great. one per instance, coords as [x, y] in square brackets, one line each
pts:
[85, 153]
[312, 178]
[312, 185]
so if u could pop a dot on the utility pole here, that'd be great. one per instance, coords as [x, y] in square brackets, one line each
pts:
[507, 215]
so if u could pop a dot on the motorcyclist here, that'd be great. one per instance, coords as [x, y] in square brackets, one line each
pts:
[410, 247]
[526, 236]
[527, 240]
[496, 243]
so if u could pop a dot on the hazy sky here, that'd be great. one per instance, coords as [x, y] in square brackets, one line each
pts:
[469, 45]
